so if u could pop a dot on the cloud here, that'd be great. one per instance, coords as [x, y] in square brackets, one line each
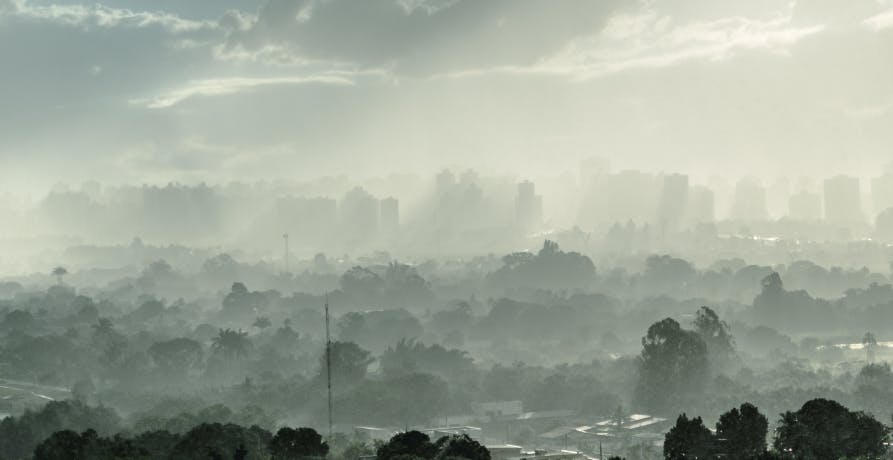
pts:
[10, 6]
[419, 38]
[650, 40]
[223, 86]
[102, 16]
[880, 21]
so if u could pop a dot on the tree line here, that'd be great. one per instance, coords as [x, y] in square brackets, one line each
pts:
[820, 429]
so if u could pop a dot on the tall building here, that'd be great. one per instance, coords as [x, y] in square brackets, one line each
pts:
[843, 200]
[359, 216]
[673, 201]
[701, 206]
[805, 206]
[445, 181]
[528, 207]
[749, 202]
[389, 216]
[882, 192]
[778, 197]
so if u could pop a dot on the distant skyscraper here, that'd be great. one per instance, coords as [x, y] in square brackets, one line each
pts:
[673, 201]
[528, 207]
[446, 181]
[882, 193]
[778, 197]
[806, 206]
[389, 216]
[359, 216]
[701, 206]
[843, 200]
[749, 202]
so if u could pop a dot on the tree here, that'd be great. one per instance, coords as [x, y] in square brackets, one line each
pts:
[59, 272]
[405, 445]
[874, 385]
[869, 342]
[550, 268]
[176, 356]
[61, 445]
[68, 445]
[262, 322]
[741, 433]
[20, 435]
[715, 333]
[217, 440]
[689, 438]
[362, 284]
[672, 367]
[292, 444]
[110, 343]
[409, 356]
[349, 362]
[824, 428]
[241, 303]
[231, 343]
[460, 446]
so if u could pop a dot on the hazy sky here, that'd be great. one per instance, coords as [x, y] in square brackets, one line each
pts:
[157, 90]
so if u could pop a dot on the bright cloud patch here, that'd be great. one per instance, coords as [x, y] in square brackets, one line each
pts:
[223, 86]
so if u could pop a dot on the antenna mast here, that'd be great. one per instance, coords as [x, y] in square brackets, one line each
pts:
[329, 364]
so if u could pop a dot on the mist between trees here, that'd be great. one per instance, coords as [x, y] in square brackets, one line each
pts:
[527, 355]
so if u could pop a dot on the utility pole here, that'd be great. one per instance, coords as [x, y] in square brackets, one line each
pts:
[285, 238]
[328, 364]
[600, 451]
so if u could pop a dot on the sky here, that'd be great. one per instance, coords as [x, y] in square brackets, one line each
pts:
[171, 90]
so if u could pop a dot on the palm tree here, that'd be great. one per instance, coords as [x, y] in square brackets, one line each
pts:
[869, 342]
[231, 343]
[59, 272]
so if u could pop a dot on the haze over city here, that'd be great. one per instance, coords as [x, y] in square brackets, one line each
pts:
[446, 229]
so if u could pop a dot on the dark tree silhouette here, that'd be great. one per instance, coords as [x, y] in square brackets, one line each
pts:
[407, 444]
[176, 356]
[869, 342]
[59, 272]
[231, 343]
[672, 366]
[689, 438]
[824, 428]
[460, 446]
[223, 440]
[61, 445]
[349, 362]
[741, 433]
[293, 444]
[715, 333]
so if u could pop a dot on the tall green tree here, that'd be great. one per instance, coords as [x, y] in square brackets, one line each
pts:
[688, 439]
[825, 429]
[741, 433]
[716, 335]
[673, 367]
[297, 443]
[407, 445]
[349, 363]
[460, 446]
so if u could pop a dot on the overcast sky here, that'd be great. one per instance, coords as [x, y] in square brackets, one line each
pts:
[158, 90]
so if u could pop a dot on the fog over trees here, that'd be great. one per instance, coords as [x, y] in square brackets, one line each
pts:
[446, 230]
[445, 357]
